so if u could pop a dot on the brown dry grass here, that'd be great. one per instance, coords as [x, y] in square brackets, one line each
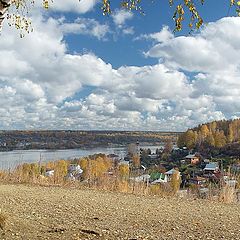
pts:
[66, 213]
[3, 220]
[227, 194]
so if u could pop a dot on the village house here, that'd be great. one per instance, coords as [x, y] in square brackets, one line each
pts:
[192, 159]
[74, 172]
[199, 181]
[162, 178]
[212, 172]
[211, 168]
[49, 173]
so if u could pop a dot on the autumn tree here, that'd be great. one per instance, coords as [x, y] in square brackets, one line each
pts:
[220, 139]
[210, 139]
[83, 162]
[187, 139]
[123, 171]
[204, 131]
[60, 170]
[95, 168]
[190, 140]
[230, 136]
[175, 181]
[136, 161]
[213, 134]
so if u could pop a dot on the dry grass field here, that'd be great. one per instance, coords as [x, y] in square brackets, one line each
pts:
[61, 213]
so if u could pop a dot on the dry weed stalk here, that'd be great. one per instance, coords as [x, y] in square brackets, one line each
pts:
[227, 194]
[3, 220]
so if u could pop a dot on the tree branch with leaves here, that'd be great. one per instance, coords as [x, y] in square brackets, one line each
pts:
[17, 11]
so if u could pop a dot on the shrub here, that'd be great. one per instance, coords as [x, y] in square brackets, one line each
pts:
[227, 194]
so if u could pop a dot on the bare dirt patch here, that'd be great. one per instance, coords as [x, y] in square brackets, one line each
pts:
[60, 213]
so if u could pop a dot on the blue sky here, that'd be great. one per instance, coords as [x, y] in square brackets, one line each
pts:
[82, 70]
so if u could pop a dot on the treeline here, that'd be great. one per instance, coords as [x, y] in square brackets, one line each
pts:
[64, 139]
[214, 134]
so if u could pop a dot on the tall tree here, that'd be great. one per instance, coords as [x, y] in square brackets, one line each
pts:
[220, 139]
[204, 131]
[230, 136]
[190, 139]
[168, 147]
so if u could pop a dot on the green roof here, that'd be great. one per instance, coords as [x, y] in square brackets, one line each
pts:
[156, 175]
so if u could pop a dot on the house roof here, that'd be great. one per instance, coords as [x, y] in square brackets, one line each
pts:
[197, 178]
[155, 175]
[160, 180]
[141, 178]
[191, 156]
[211, 166]
[172, 171]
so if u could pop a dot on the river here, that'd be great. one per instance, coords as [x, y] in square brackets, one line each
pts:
[9, 160]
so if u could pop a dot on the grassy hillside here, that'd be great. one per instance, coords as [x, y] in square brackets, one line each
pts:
[58, 213]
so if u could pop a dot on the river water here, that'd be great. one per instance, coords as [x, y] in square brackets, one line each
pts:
[9, 160]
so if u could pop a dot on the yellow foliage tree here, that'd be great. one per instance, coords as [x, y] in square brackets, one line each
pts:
[175, 182]
[204, 131]
[136, 161]
[123, 170]
[60, 171]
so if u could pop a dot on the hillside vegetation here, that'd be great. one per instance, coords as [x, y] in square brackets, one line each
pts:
[214, 134]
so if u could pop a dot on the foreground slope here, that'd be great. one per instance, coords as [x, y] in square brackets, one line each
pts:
[58, 213]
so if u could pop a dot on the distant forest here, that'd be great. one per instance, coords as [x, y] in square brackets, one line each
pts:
[64, 139]
[217, 134]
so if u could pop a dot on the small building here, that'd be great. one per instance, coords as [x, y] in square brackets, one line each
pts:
[74, 172]
[192, 159]
[211, 168]
[49, 173]
[199, 181]
[162, 179]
